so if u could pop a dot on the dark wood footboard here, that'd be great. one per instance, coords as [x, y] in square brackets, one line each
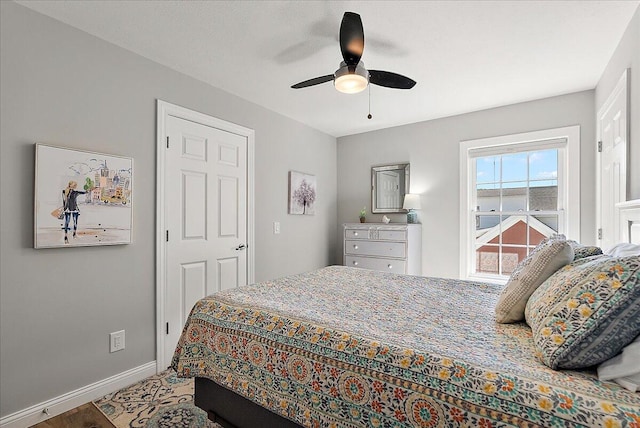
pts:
[231, 410]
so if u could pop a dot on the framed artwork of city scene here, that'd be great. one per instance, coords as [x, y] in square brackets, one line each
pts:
[302, 193]
[82, 198]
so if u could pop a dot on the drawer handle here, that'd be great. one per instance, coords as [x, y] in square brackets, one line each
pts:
[355, 247]
[389, 266]
[355, 263]
[355, 233]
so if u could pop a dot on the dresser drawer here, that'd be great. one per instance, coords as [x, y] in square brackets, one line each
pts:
[391, 235]
[356, 233]
[395, 266]
[375, 248]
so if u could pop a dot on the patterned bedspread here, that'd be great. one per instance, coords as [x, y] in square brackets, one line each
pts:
[346, 347]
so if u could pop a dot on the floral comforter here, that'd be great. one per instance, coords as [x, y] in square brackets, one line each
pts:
[346, 347]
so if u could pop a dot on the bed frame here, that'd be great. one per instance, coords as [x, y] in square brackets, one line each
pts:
[234, 411]
[231, 410]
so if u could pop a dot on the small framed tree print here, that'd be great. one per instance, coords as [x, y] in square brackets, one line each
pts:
[302, 193]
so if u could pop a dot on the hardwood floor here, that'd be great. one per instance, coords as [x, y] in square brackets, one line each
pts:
[85, 416]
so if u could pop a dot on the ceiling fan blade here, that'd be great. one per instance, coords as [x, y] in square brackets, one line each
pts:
[390, 80]
[351, 38]
[314, 81]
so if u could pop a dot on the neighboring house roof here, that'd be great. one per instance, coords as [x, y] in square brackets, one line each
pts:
[484, 236]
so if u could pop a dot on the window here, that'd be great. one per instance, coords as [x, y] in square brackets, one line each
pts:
[516, 190]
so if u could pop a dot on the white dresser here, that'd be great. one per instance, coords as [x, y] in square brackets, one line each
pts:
[385, 247]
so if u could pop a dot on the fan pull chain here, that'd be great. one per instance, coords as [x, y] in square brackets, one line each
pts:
[369, 115]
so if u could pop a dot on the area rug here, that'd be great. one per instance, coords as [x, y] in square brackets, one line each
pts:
[160, 401]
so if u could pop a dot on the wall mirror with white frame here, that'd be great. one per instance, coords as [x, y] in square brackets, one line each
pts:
[389, 183]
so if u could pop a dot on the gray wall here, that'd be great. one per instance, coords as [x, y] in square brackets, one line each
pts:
[627, 55]
[64, 87]
[432, 147]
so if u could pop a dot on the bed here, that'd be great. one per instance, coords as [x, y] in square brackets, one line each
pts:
[347, 347]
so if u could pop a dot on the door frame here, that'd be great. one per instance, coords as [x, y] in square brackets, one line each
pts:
[622, 86]
[164, 110]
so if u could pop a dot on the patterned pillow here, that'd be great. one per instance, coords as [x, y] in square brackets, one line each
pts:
[586, 312]
[581, 251]
[549, 256]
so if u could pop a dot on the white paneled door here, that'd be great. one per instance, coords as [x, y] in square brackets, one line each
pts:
[205, 202]
[612, 165]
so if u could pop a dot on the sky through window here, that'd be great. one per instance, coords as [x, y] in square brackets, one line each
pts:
[540, 168]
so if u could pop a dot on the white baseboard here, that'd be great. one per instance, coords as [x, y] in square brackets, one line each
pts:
[35, 414]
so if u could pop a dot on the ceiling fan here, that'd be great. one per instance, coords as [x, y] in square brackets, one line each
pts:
[352, 77]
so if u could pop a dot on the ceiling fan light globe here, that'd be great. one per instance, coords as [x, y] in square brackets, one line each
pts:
[351, 82]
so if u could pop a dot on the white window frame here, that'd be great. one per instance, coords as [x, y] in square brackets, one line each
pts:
[568, 178]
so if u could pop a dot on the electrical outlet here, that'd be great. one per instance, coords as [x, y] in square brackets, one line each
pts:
[116, 340]
[276, 227]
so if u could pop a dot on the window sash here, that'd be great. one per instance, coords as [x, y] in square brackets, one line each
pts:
[560, 179]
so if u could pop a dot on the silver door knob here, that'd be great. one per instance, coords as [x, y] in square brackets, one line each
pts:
[241, 247]
[355, 247]
[390, 267]
[355, 263]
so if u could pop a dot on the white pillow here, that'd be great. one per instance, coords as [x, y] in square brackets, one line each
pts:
[624, 249]
[624, 368]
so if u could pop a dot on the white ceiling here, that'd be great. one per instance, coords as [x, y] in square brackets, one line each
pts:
[465, 55]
